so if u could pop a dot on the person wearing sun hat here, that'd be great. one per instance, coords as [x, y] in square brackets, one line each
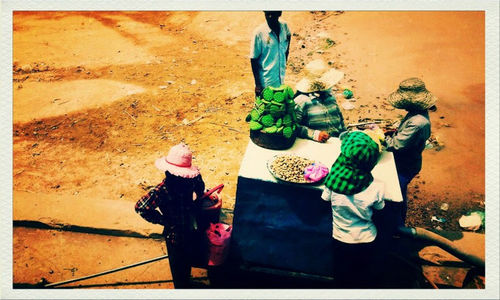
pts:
[318, 114]
[354, 194]
[175, 198]
[408, 141]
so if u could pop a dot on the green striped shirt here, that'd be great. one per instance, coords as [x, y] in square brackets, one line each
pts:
[318, 112]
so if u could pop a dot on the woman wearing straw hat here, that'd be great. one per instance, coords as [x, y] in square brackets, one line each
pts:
[318, 114]
[174, 198]
[354, 194]
[408, 142]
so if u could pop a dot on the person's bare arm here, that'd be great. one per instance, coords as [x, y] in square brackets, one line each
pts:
[255, 70]
[289, 38]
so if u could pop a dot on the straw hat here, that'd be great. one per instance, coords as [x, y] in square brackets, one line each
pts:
[412, 95]
[318, 77]
[178, 162]
[351, 172]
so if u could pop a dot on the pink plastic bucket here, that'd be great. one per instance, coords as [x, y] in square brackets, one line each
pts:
[219, 236]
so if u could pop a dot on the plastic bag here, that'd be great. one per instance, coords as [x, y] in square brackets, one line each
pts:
[472, 220]
[315, 172]
[219, 237]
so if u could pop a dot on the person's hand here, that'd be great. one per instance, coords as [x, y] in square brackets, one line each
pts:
[258, 90]
[321, 136]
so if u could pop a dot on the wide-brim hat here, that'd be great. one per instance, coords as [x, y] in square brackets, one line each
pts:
[351, 171]
[412, 95]
[178, 162]
[318, 77]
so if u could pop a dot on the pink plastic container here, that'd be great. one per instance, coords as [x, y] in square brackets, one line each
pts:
[219, 237]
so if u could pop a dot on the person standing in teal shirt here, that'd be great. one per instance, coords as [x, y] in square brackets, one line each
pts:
[269, 52]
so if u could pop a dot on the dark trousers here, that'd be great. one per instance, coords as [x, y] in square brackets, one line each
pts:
[180, 264]
[185, 250]
[404, 180]
[354, 265]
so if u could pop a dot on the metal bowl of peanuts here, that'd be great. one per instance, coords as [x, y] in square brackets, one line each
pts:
[290, 168]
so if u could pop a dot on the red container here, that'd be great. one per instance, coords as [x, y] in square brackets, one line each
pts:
[210, 207]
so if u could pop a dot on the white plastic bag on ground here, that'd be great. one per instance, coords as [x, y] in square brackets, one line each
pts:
[471, 222]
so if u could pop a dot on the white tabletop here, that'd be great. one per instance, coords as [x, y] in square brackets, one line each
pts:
[254, 164]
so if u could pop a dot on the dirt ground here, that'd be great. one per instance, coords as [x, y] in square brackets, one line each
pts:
[33, 264]
[98, 96]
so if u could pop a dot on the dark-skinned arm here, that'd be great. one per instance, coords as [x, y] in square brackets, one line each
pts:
[289, 38]
[255, 70]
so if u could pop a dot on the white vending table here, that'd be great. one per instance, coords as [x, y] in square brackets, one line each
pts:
[254, 164]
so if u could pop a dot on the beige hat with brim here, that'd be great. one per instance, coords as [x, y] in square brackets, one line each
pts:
[412, 95]
[318, 77]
